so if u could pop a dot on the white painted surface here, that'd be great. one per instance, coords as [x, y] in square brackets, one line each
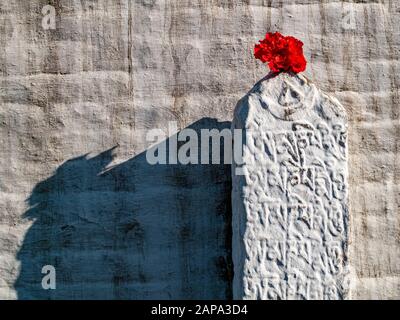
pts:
[113, 68]
[290, 210]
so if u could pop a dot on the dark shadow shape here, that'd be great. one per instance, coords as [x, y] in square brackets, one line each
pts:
[133, 231]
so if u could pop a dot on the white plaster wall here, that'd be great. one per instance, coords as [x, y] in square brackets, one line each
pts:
[112, 69]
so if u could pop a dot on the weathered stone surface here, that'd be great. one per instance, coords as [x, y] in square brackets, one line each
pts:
[290, 194]
[113, 68]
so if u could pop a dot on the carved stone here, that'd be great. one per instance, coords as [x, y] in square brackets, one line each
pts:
[290, 194]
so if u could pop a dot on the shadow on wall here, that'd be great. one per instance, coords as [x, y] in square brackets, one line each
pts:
[133, 231]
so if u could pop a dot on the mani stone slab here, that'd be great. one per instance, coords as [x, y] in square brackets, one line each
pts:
[290, 193]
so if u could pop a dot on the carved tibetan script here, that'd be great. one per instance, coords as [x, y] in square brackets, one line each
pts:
[290, 194]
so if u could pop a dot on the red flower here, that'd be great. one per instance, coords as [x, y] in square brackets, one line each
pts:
[282, 53]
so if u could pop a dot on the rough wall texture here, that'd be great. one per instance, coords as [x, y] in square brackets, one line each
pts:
[290, 213]
[112, 69]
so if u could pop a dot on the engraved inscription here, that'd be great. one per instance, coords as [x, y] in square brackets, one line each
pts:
[291, 202]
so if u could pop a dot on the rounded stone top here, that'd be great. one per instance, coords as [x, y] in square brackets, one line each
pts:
[286, 96]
